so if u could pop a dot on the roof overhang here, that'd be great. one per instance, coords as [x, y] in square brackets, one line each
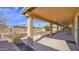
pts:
[57, 15]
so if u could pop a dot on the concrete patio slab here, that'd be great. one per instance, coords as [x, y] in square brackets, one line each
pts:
[5, 45]
[62, 41]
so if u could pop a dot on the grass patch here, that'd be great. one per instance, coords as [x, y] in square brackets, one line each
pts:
[16, 39]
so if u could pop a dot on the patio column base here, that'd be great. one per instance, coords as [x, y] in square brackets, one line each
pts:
[29, 41]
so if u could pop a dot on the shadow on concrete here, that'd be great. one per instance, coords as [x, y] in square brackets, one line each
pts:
[24, 47]
[41, 37]
[6, 46]
[36, 47]
[41, 47]
[47, 35]
[69, 40]
[72, 46]
[70, 43]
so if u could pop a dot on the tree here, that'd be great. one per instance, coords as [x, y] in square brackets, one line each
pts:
[47, 28]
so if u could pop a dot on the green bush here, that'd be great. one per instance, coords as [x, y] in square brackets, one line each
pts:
[16, 38]
[67, 28]
[47, 28]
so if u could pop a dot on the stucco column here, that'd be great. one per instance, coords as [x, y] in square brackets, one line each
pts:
[73, 29]
[50, 32]
[57, 28]
[30, 32]
[76, 30]
[63, 29]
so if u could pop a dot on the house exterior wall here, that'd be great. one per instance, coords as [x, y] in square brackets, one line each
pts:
[20, 30]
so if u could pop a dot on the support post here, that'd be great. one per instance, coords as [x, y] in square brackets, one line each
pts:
[30, 32]
[76, 30]
[50, 26]
[73, 30]
[63, 29]
[57, 28]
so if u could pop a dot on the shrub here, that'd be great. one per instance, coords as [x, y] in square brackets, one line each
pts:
[47, 28]
[16, 38]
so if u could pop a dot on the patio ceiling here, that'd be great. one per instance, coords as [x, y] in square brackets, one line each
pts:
[58, 15]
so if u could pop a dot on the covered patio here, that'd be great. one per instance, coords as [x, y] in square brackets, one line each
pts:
[61, 16]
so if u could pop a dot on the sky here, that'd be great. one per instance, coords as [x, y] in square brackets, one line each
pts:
[13, 17]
